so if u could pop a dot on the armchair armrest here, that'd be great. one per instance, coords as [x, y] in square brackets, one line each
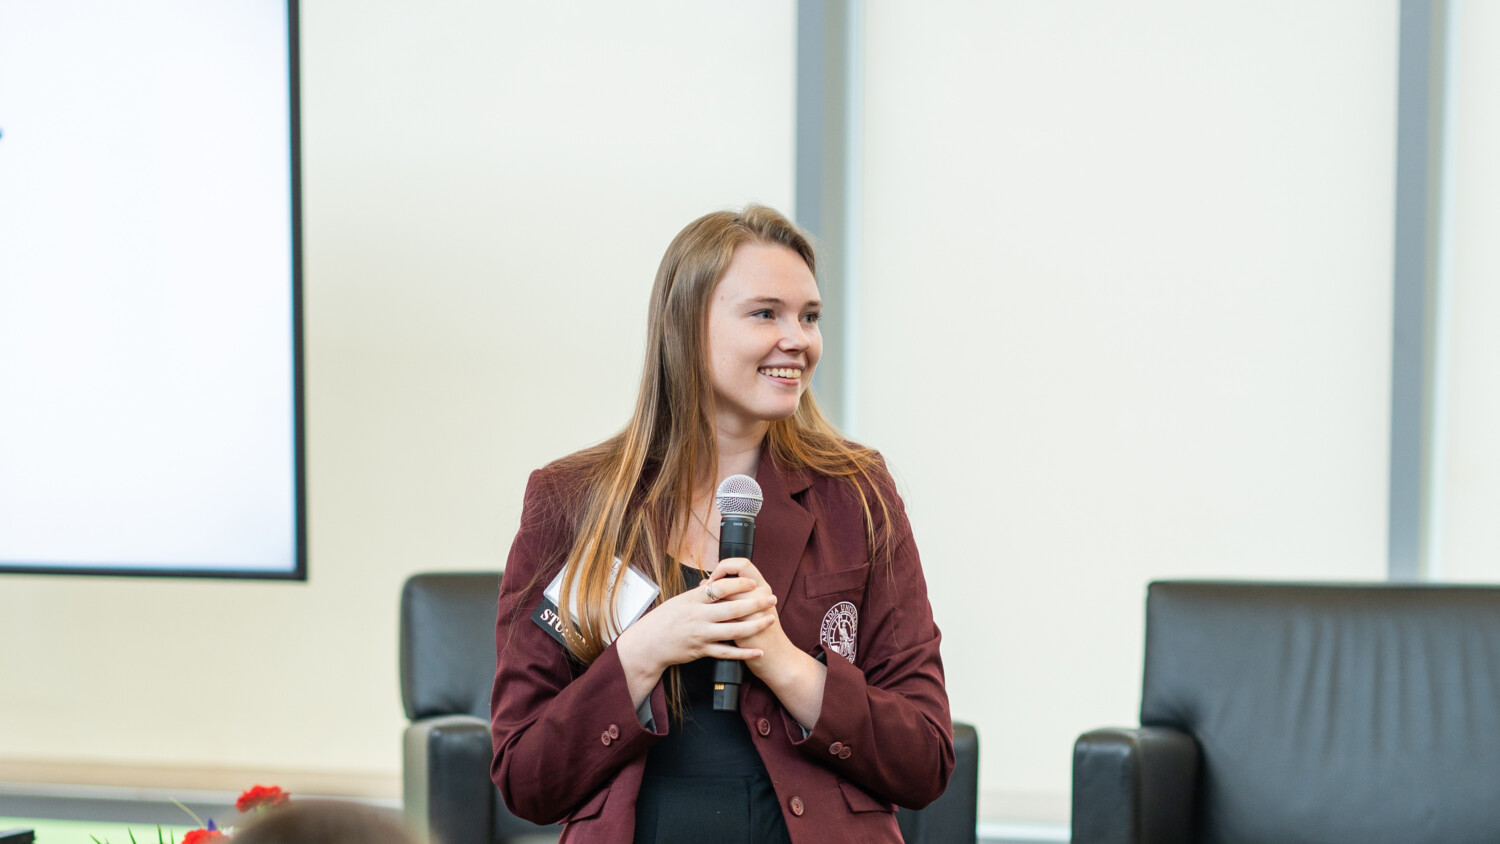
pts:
[1134, 786]
[446, 783]
[952, 818]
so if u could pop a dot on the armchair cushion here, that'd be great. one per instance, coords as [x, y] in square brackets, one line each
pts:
[446, 777]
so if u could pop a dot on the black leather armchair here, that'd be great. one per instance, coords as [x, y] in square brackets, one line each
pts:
[1323, 714]
[447, 668]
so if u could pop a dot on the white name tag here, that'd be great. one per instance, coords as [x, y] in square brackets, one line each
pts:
[632, 599]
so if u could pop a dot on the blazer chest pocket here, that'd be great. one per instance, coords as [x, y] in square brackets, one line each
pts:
[819, 584]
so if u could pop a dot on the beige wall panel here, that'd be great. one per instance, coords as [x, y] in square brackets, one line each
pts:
[1125, 316]
[1468, 483]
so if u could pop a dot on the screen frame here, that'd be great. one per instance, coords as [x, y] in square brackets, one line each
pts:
[299, 572]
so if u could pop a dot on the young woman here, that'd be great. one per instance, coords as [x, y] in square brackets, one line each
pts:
[843, 711]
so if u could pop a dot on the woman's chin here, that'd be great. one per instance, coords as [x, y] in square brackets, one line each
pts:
[783, 415]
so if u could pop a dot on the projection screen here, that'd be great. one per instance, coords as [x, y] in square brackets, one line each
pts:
[150, 289]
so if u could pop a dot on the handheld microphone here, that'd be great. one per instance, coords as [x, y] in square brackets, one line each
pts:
[738, 500]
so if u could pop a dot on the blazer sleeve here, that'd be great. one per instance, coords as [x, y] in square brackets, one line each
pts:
[885, 723]
[561, 732]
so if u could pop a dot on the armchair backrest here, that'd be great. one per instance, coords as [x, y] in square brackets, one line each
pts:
[1352, 713]
[448, 643]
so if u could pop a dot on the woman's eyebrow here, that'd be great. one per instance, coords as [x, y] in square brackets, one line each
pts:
[772, 300]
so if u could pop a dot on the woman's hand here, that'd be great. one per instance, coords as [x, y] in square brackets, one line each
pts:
[792, 675]
[713, 620]
[731, 572]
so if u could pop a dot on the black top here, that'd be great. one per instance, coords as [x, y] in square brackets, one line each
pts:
[704, 780]
[708, 743]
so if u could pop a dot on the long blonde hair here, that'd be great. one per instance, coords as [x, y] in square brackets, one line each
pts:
[638, 486]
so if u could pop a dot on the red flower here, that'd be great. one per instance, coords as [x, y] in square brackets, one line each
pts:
[261, 795]
[204, 836]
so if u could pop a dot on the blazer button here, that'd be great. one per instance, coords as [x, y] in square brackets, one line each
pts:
[604, 737]
[797, 807]
[763, 726]
[845, 753]
[614, 731]
[835, 747]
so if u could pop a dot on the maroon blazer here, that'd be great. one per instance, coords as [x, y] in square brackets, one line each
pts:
[569, 746]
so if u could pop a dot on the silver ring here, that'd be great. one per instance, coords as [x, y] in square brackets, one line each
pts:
[709, 591]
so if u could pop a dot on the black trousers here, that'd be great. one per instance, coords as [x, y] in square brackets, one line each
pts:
[723, 810]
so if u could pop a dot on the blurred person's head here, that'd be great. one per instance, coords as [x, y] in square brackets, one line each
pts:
[324, 822]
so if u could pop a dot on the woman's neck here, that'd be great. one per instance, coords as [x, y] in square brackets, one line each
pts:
[739, 451]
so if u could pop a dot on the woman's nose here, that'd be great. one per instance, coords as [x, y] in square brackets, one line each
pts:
[794, 337]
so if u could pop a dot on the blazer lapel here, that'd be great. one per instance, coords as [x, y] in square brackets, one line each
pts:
[783, 526]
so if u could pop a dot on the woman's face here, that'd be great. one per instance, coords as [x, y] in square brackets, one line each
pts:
[763, 338]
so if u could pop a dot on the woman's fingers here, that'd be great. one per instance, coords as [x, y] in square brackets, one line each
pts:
[734, 567]
[719, 590]
[737, 630]
[723, 611]
[720, 650]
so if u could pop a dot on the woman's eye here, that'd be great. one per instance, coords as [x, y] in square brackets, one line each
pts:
[763, 314]
[812, 318]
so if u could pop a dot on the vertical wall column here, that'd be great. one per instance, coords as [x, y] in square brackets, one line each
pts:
[1419, 194]
[825, 45]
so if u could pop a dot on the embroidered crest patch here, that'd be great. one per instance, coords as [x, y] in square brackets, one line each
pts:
[840, 629]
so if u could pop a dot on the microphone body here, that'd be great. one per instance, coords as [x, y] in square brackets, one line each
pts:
[736, 539]
[738, 500]
[736, 536]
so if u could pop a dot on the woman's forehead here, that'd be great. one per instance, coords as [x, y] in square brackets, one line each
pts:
[769, 273]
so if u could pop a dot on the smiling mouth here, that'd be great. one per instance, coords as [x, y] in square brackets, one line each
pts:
[781, 372]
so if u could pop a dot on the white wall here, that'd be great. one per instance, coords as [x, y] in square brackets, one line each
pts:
[488, 189]
[1126, 315]
[1468, 480]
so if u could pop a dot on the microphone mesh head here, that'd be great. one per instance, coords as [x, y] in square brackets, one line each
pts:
[738, 495]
